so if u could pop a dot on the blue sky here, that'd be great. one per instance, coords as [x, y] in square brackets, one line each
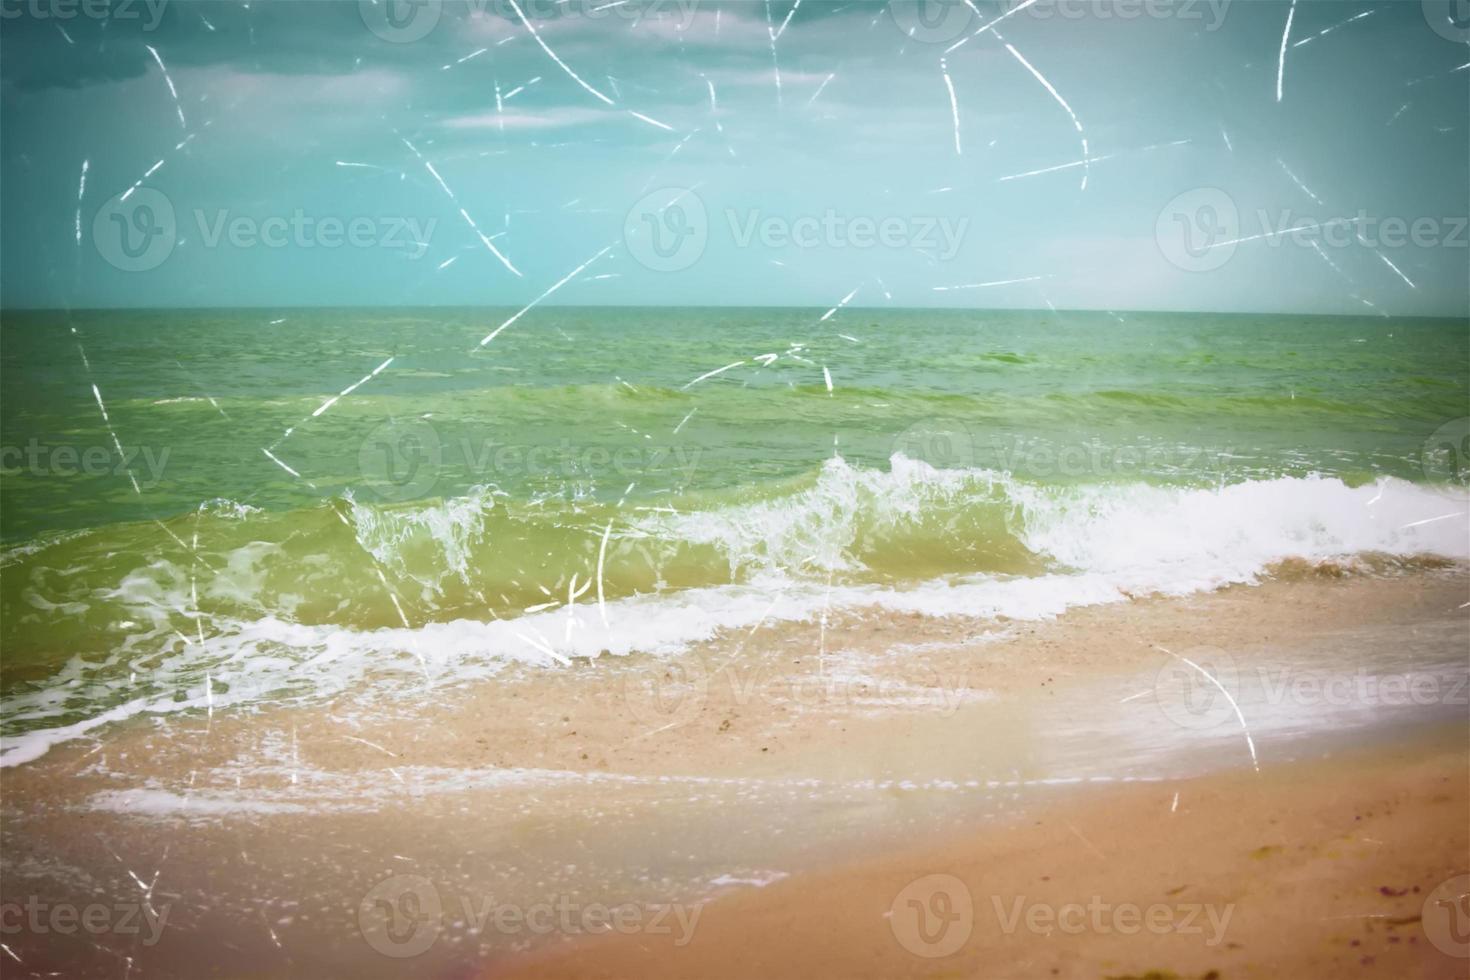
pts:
[301, 127]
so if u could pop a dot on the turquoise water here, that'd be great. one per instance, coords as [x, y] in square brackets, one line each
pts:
[459, 489]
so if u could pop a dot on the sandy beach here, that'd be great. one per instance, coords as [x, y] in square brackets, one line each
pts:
[1307, 869]
[785, 784]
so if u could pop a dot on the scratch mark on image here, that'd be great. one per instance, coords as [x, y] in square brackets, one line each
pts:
[1281, 59]
[1076, 123]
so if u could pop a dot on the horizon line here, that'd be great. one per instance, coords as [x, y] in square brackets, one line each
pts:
[744, 306]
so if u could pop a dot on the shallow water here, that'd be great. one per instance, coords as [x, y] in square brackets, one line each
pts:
[632, 480]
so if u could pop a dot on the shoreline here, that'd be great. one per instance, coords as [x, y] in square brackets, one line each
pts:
[750, 765]
[1307, 869]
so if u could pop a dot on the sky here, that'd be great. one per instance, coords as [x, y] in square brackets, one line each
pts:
[1081, 154]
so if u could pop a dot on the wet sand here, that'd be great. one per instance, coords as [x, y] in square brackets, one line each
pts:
[722, 784]
[1320, 869]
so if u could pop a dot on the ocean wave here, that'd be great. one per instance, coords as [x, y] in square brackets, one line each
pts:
[275, 615]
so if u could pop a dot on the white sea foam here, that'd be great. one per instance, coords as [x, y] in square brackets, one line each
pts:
[1105, 544]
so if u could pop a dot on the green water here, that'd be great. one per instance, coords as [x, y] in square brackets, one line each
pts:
[598, 392]
[461, 484]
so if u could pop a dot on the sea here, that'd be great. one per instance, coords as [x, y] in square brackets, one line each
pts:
[214, 510]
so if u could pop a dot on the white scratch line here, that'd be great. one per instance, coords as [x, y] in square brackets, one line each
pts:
[153, 169]
[352, 387]
[601, 559]
[1389, 262]
[1009, 13]
[821, 88]
[1076, 123]
[462, 212]
[81, 192]
[553, 56]
[1298, 181]
[650, 120]
[169, 79]
[1281, 59]
[371, 745]
[789, 14]
[711, 374]
[827, 377]
[684, 419]
[113, 433]
[1431, 520]
[277, 460]
[986, 285]
[1249, 742]
[845, 300]
[472, 54]
[1082, 163]
[775, 62]
[1311, 226]
[954, 107]
[559, 283]
[545, 648]
[1329, 30]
